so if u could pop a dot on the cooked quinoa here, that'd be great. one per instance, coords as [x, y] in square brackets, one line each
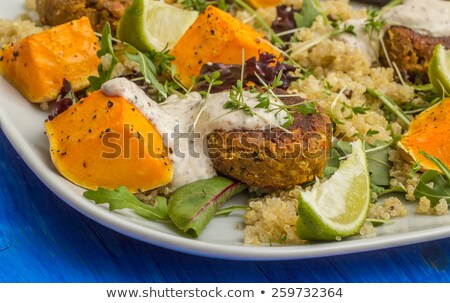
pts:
[272, 218]
[14, 30]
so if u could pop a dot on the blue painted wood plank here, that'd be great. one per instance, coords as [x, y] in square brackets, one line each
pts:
[44, 240]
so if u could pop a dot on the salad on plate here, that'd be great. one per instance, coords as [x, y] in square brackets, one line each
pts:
[322, 119]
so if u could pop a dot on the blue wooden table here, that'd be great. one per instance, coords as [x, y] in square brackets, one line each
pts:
[44, 240]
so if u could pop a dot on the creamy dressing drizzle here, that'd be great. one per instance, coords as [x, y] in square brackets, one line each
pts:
[174, 119]
[424, 17]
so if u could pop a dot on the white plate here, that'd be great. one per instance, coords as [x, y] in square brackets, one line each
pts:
[22, 123]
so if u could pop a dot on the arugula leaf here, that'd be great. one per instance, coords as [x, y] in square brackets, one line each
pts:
[444, 169]
[339, 149]
[441, 188]
[147, 67]
[107, 48]
[121, 198]
[441, 183]
[380, 191]
[307, 15]
[378, 163]
[389, 104]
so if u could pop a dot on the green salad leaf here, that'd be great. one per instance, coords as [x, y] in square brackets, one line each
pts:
[121, 198]
[193, 206]
[432, 184]
[379, 165]
[107, 48]
[148, 69]
[439, 190]
[309, 13]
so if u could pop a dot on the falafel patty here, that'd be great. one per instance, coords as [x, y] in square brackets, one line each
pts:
[273, 158]
[55, 12]
[410, 51]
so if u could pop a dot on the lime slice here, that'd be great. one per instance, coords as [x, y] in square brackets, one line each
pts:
[154, 25]
[439, 69]
[337, 207]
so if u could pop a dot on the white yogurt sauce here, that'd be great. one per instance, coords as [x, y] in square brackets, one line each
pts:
[430, 17]
[174, 119]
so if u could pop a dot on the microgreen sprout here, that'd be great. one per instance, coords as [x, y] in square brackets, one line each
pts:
[374, 23]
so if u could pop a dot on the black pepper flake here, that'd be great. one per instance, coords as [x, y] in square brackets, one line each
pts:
[1, 59]
[94, 116]
[133, 109]
[110, 103]
[84, 164]
[212, 32]
[90, 130]
[15, 54]
[68, 137]
[107, 130]
[200, 62]
[79, 140]
[170, 150]
[63, 154]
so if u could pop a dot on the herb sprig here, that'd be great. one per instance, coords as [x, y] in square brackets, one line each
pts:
[305, 108]
[374, 23]
[104, 72]
[441, 183]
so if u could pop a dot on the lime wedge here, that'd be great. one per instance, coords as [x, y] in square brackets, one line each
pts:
[154, 25]
[439, 69]
[337, 207]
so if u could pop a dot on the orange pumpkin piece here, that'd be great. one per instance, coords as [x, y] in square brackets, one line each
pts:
[216, 36]
[106, 142]
[37, 64]
[263, 3]
[428, 132]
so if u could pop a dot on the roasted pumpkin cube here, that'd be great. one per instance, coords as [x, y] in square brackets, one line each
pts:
[428, 132]
[217, 37]
[106, 142]
[263, 3]
[37, 64]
